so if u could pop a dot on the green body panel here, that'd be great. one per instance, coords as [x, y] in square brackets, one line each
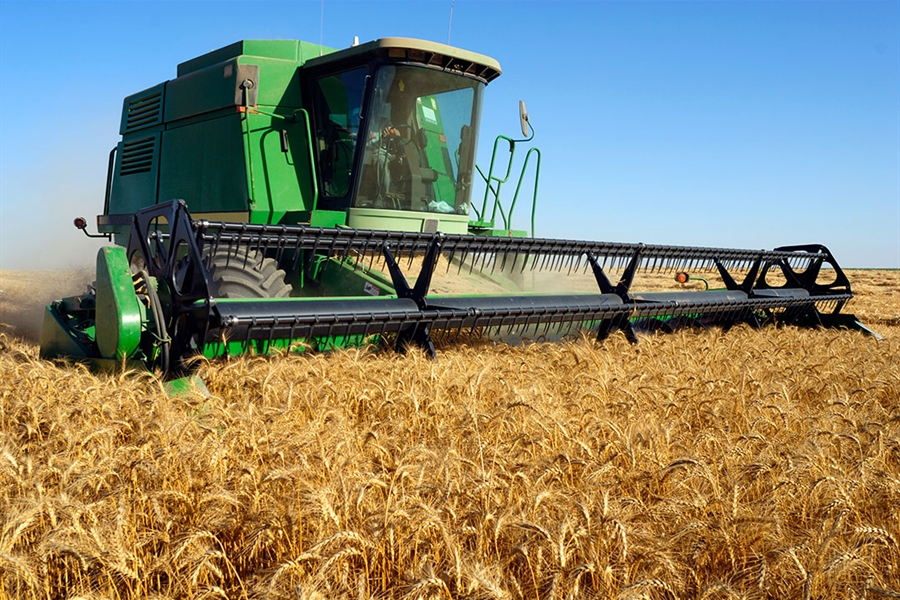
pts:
[119, 315]
[207, 147]
[327, 218]
[282, 188]
[406, 220]
[213, 81]
[204, 91]
[286, 50]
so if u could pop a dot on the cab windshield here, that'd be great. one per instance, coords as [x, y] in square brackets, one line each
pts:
[420, 141]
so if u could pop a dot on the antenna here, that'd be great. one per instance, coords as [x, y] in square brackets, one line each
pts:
[321, 26]
[450, 24]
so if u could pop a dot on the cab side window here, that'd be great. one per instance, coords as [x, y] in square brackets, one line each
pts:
[337, 100]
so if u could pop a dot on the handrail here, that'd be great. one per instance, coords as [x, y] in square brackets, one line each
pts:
[537, 174]
[490, 177]
[490, 189]
[313, 159]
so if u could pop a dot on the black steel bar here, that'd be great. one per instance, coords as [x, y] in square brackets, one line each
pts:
[403, 243]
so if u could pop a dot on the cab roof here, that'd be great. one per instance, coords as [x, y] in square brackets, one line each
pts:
[419, 51]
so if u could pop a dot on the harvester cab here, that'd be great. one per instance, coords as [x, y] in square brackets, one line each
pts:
[377, 136]
[267, 197]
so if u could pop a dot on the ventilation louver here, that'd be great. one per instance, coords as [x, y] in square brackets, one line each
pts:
[137, 156]
[144, 111]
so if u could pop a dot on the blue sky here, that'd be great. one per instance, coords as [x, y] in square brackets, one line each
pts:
[741, 124]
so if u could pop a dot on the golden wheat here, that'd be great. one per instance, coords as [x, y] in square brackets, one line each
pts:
[701, 464]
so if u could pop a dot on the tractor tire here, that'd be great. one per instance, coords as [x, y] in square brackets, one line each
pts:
[242, 273]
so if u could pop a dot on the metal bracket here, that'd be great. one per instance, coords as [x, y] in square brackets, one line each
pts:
[808, 278]
[246, 85]
[622, 323]
[417, 333]
[163, 242]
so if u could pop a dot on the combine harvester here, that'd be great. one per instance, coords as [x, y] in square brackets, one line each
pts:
[308, 177]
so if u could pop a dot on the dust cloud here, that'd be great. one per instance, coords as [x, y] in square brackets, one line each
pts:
[42, 256]
[24, 294]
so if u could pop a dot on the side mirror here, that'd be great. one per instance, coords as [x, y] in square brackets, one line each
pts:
[523, 118]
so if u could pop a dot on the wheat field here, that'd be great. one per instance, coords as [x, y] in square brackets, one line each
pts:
[698, 465]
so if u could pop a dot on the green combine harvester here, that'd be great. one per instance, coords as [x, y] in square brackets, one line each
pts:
[279, 194]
